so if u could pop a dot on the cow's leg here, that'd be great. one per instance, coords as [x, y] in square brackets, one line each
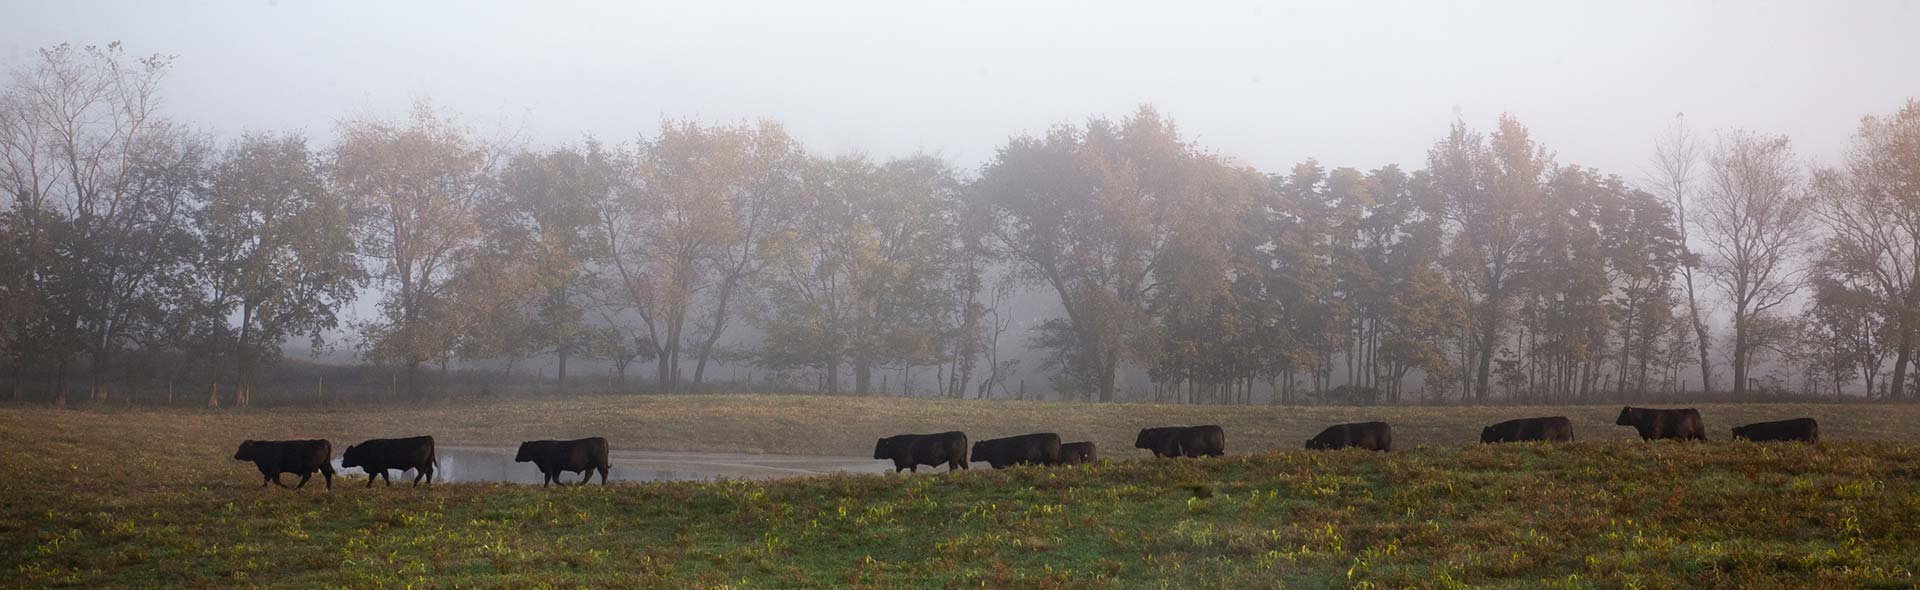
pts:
[603, 475]
[372, 476]
[276, 481]
[326, 471]
[303, 480]
[586, 475]
[387, 475]
[418, 474]
[914, 468]
[264, 480]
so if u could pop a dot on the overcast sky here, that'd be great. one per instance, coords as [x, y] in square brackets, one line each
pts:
[1349, 83]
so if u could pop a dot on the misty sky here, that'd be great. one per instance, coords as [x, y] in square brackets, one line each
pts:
[1359, 84]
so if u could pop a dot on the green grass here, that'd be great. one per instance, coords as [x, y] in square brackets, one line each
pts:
[151, 498]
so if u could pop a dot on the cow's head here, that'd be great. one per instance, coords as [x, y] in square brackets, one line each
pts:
[1628, 416]
[246, 452]
[1145, 439]
[1314, 444]
[526, 451]
[1487, 435]
[884, 448]
[351, 457]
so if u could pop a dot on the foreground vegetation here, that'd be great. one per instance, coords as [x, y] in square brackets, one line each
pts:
[119, 498]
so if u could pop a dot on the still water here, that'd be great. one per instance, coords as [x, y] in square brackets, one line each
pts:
[491, 464]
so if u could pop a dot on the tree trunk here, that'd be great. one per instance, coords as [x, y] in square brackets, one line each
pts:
[1904, 356]
[833, 376]
[862, 376]
[663, 372]
[244, 354]
[1626, 352]
[1108, 373]
[1700, 336]
[719, 326]
[413, 378]
[673, 352]
[562, 375]
[1483, 370]
[1739, 358]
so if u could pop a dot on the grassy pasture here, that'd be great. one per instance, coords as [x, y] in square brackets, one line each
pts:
[118, 498]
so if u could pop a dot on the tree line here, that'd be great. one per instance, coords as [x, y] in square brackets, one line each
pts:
[1492, 272]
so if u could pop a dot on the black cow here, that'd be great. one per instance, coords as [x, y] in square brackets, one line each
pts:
[1551, 428]
[1654, 424]
[1803, 429]
[910, 451]
[1026, 449]
[379, 455]
[555, 456]
[275, 457]
[1372, 436]
[1075, 453]
[1183, 441]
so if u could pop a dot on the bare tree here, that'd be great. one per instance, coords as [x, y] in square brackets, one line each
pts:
[1754, 215]
[1675, 158]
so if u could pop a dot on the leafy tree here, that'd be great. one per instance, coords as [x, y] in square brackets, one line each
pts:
[1850, 324]
[279, 249]
[1871, 207]
[692, 227]
[416, 186]
[101, 184]
[547, 218]
[1091, 213]
[858, 271]
[1490, 187]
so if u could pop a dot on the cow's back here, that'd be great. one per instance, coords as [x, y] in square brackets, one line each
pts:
[1800, 429]
[1654, 424]
[310, 454]
[934, 449]
[1376, 436]
[588, 453]
[1551, 428]
[1209, 440]
[300, 456]
[397, 453]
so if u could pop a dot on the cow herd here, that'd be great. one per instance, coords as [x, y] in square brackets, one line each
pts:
[380, 456]
[908, 452]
